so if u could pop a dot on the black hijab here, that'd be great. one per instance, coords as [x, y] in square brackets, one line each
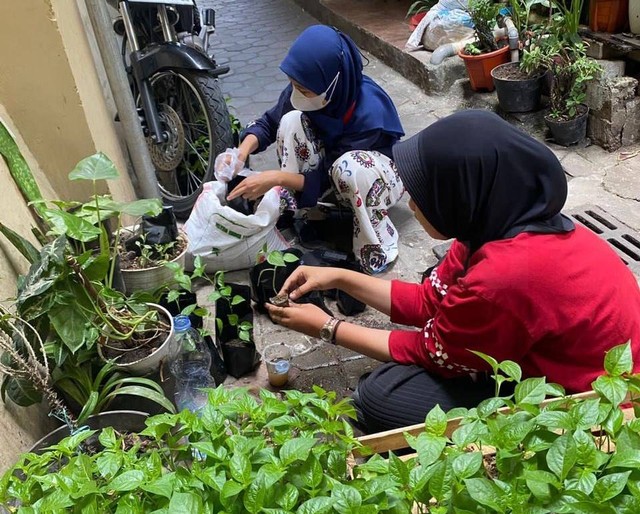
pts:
[479, 179]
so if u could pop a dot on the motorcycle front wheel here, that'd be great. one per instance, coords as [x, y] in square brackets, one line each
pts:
[194, 115]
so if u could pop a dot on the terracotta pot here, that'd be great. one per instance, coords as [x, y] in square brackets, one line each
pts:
[415, 20]
[608, 15]
[479, 67]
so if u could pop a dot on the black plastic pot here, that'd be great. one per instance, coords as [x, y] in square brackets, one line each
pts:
[569, 132]
[517, 95]
[184, 300]
[242, 310]
[122, 421]
[240, 357]
[263, 282]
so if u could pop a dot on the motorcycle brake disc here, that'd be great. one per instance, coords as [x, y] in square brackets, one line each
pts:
[167, 156]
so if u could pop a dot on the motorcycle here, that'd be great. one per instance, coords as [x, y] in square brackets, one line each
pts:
[174, 81]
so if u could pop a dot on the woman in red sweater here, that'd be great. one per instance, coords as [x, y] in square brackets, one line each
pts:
[520, 282]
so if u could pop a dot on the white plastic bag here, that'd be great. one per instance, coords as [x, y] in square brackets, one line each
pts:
[226, 239]
[446, 22]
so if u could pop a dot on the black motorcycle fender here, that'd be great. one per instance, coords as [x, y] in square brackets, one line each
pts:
[166, 56]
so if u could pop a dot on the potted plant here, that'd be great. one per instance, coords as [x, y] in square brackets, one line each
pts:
[418, 10]
[145, 250]
[571, 70]
[23, 358]
[519, 84]
[484, 55]
[270, 273]
[234, 326]
[69, 294]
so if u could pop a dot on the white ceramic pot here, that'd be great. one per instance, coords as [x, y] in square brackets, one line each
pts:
[150, 279]
[151, 363]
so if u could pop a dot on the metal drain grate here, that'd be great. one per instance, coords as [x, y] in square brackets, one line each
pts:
[624, 241]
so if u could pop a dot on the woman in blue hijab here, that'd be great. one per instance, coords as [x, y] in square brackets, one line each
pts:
[333, 128]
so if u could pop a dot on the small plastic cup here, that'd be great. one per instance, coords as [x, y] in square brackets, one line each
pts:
[278, 360]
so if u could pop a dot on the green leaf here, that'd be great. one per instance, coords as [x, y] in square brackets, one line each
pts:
[511, 369]
[610, 486]
[144, 207]
[555, 419]
[296, 449]
[185, 503]
[468, 433]
[72, 226]
[311, 472]
[21, 391]
[399, 470]
[69, 323]
[162, 486]
[237, 299]
[109, 464]
[531, 391]
[89, 408]
[467, 464]
[428, 447]
[144, 392]
[254, 497]
[95, 167]
[127, 481]
[436, 421]
[625, 459]
[317, 505]
[562, 456]
[486, 493]
[539, 483]
[230, 489]
[613, 388]
[276, 259]
[585, 413]
[487, 358]
[288, 499]
[619, 360]
[21, 244]
[289, 257]
[240, 468]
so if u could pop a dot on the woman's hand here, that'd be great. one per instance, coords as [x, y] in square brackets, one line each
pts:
[310, 278]
[255, 186]
[301, 317]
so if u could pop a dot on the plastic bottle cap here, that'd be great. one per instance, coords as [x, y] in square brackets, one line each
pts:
[181, 323]
[282, 367]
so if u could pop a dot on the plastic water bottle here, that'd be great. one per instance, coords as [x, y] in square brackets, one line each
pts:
[191, 367]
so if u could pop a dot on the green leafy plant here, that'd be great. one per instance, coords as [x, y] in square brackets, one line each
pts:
[275, 455]
[68, 294]
[277, 259]
[534, 61]
[420, 6]
[484, 14]
[520, 12]
[569, 20]
[223, 292]
[571, 70]
[520, 454]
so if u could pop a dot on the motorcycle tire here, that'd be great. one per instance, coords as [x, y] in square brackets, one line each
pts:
[194, 114]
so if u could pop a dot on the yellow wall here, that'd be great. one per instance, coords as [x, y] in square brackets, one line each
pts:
[51, 88]
[54, 97]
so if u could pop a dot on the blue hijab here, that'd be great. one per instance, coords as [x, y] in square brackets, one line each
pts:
[315, 58]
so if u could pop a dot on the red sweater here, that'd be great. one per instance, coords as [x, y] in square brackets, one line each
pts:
[553, 303]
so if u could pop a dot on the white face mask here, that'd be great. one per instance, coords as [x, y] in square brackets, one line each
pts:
[314, 103]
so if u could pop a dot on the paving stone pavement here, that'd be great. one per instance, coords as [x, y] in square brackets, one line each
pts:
[253, 37]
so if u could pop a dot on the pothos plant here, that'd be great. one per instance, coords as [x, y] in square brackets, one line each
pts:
[68, 294]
